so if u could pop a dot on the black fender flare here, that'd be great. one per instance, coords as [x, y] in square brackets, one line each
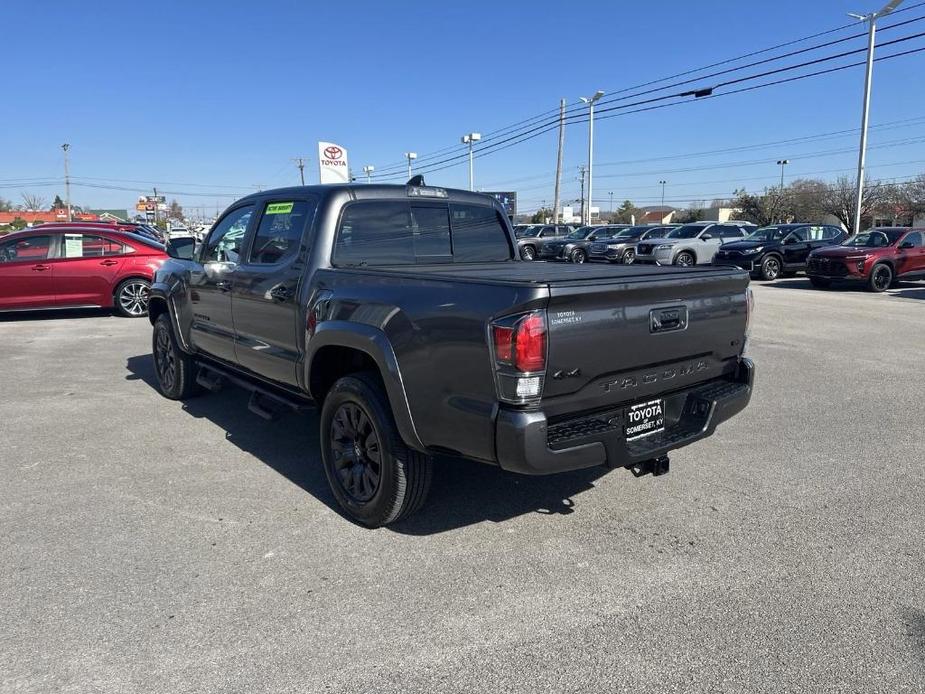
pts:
[375, 343]
[162, 292]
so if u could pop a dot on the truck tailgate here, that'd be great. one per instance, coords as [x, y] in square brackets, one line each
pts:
[622, 339]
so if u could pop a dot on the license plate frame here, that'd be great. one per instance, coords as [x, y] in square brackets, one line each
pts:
[644, 419]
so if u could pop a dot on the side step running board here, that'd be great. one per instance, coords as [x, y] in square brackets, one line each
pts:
[263, 402]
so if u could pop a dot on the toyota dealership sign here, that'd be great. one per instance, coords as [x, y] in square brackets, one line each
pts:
[332, 163]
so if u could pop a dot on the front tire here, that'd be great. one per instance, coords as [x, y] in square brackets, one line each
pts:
[770, 268]
[130, 299]
[578, 256]
[881, 277]
[173, 368]
[685, 259]
[629, 255]
[374, 476]
[528, 253]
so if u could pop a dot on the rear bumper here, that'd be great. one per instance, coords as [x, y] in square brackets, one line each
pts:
[528, 444]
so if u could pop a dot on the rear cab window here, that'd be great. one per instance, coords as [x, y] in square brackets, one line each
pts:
[401, 233]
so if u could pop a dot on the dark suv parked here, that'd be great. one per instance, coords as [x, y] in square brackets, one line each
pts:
[621, 248]
[774, 250]
[532, 238]
[576, 246]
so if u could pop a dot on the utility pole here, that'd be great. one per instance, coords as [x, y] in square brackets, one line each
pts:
[155, 206]
[662, 184]
[300, 162]
[555, 202]
[611, 205]
[67, 182]
[871, 20]
[581, 177]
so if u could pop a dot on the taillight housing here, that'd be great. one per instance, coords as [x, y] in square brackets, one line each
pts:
[519, 346]
[749, 315]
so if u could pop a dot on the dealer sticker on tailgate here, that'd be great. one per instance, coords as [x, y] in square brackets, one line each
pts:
[644, 418]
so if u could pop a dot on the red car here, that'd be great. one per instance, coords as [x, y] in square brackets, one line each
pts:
[878, 257]
[76, 267]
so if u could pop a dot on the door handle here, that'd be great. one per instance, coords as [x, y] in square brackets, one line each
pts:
[281, 293]
[110, 262]
[39, 268]
[223, 285]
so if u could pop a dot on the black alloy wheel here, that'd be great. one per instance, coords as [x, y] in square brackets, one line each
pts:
[770, 268]
[881, 277]
[357, 452]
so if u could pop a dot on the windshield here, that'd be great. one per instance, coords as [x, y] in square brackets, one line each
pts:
[767, 234]
[877, 238]
[688, 231]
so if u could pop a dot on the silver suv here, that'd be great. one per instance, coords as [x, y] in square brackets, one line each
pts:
[691, 244]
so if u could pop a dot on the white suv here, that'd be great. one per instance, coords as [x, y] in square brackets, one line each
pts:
[691, 244]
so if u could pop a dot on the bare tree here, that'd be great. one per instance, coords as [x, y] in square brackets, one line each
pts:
[840, 200]
[34, 202]
[774, 205]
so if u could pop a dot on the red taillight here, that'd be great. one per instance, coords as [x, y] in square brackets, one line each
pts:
[530, 343]
[521, 344]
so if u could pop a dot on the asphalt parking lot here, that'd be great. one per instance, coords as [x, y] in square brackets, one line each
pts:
[153, 546]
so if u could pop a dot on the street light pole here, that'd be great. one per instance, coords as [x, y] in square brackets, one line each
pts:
[410, 156]
[468, 139]
[871, 20]
[368, 170]
[662, 184]
[67, 182]
[611, 205]
[590, 100]
[782, 163]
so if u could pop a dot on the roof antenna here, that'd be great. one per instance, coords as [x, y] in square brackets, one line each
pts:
[416, 180]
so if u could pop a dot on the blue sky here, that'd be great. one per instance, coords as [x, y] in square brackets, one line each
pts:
[210, 99]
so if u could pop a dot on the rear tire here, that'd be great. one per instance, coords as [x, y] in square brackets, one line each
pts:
[820, 282]
[130, 300]
[685, 259]
[374, 476]
[881, 277]
[174, 369]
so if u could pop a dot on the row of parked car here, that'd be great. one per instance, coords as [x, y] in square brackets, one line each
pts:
[878, 257]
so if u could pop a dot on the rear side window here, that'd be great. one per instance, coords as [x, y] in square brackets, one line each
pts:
[87, 246]
[830, 233]
[280, 232]
[479, 235]
[376, 233]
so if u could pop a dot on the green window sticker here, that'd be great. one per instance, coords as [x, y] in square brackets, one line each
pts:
[279, 208]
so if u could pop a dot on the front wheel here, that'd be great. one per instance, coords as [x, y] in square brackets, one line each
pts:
[375, 477]
[881, 277]
[131, 298]
[528, 253]
[578, 256]
[684, 259]
[173, 368]
[629, 255]
[770, 268]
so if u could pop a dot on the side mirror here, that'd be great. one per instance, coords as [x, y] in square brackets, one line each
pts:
[907, 244]
[706, 237]
[171, 250]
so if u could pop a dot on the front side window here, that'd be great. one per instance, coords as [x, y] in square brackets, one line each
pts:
[280, 232]
[829, 233]
[31, 248]
[88, 246]
[225, 241]
[688, 231]
[916, 239]
[876, 238]
[730, 232]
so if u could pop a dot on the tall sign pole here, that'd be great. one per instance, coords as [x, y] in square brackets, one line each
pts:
[67, 182]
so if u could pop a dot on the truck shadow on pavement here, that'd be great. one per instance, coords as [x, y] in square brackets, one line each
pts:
[463, 492]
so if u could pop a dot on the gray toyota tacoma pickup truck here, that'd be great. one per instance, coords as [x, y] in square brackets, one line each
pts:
[404, 313]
